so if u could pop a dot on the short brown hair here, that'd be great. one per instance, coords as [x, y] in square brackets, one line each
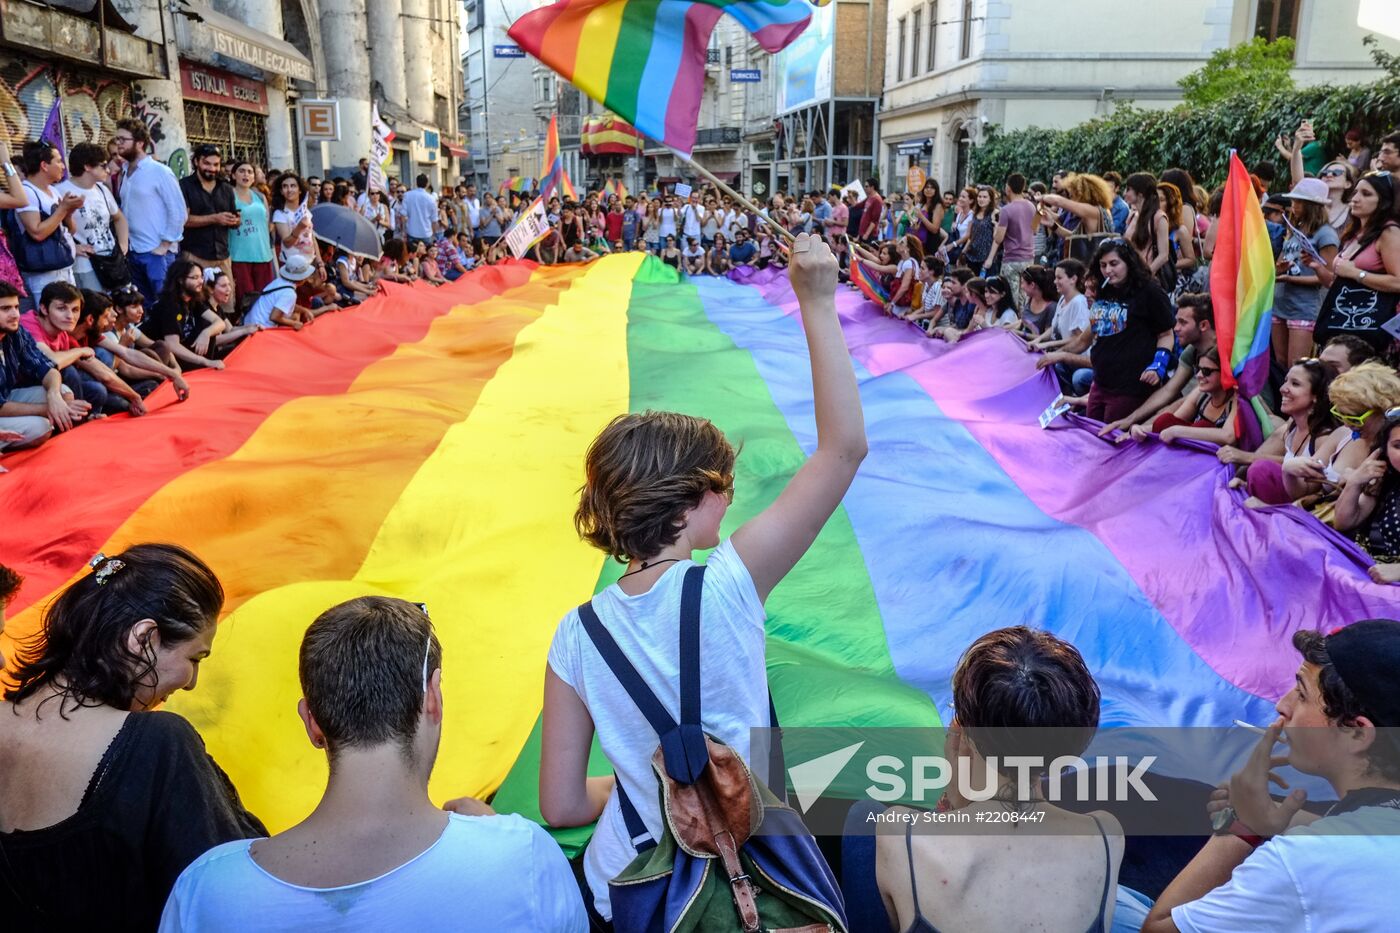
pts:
[361, 671]
[138, 130]
[643, 473]
[1020, 678]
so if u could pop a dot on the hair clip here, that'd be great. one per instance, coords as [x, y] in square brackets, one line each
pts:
[108, 567]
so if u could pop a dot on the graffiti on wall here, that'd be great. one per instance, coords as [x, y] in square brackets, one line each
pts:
[92, 105]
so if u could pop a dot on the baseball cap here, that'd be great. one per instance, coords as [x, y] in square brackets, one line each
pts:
[1366, 656]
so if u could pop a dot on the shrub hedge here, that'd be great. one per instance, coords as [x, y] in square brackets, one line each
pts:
[1198, 139]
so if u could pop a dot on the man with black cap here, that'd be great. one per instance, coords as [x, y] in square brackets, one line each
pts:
[1274, 867]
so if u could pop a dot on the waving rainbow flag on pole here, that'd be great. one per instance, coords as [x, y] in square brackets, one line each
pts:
[1242, 290]
[552, 172]
[645, 59]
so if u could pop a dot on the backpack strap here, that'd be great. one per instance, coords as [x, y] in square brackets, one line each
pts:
[682, 744]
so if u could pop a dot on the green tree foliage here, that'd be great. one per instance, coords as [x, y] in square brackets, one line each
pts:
[1198, 139]
[1254, 66]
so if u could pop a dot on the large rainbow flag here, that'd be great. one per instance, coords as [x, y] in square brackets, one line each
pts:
[429, 445]
[645, 59]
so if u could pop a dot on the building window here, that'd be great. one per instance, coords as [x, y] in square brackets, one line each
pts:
[966, 51]
[915, 38]
[1274, 19]
[932, 33]
[899, 53]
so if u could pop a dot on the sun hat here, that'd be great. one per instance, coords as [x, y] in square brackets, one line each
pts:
[296, 268]
[1309, 189]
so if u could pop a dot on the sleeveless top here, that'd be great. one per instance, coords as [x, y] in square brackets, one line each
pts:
[250, 241]
[1205, 421]
[1288, 454]
[921, 923]
[1331, 471]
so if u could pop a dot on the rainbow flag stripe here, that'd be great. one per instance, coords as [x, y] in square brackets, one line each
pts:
[1242, 290]
[429, 445]
[645, 59]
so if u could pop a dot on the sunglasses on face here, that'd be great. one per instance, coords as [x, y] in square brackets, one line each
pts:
[1353, 421]
[1206, 371]
[1332, 173]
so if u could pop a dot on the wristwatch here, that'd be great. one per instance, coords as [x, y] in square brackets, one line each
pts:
[1361, 276]
[10, 169]
[1226, 822]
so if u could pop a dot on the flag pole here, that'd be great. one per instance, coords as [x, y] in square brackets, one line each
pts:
[747, 204]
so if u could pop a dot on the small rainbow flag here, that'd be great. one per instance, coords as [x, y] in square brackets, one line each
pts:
[869, 283]
[644, 59]
[1242, 290]
[610, 188]
[552, 172]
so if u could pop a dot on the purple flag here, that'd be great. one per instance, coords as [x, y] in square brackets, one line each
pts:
[53, 131]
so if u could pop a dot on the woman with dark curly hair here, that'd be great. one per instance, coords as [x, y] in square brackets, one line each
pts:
[103, 802]
[1130, 329]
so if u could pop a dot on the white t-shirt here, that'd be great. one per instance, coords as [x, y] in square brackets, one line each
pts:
[696, 252]
[1070, 316]
[483, 873]
[94, 220]
[421, 210]
[733, 686]
[305, 244]
[1007, 318]
[668, 222]
[729, 224]
[45, 202]
[280, 295]
[692, 215]
[1338, 875]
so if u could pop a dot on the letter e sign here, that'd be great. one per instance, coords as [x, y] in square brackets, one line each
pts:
[320, 119]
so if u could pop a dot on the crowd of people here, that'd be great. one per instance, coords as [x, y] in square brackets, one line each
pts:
[112, 813]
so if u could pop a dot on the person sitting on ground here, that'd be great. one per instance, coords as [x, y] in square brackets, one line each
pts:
[277, 305]
[1276, 868]
[931, 297]
[392, 263]
[53, 325]
[428, 268]
[1008, 680]
[577, 252]
[1344, 353]
[449, 257]
[693, 257]
[743, 252]
[347, 283]
[1038, 287]
[1001, 304]
[376, 854]
[971, 311]
[909, 253]
[656, 489]
[717, 257]
[34, 402]
[1130, 330]
[1307, 414]
[1071, 308]
[129, 305]
[1360, 399]
[1369, 506]
[958, 308]
[97, 328]
[218, 294]
[182, 323]
[103, 802]
[1206, 414]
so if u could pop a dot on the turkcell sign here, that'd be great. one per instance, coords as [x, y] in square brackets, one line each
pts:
[508, 51]
[746, 75]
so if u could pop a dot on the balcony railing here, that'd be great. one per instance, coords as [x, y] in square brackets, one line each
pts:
[718, 136]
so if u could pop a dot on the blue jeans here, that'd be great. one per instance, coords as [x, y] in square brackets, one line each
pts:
[86, 388]
[148, 273]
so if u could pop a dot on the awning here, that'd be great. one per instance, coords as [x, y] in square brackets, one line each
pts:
[456, 151]
[214, 33]
[728, 178]
[667, 180]
[914, 145]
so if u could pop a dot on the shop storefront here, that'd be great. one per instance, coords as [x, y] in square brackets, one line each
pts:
[225, 109]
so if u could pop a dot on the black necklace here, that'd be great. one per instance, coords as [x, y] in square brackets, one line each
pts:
[646, 566]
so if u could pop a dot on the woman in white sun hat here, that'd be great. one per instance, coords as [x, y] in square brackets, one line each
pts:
[1298, 292]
